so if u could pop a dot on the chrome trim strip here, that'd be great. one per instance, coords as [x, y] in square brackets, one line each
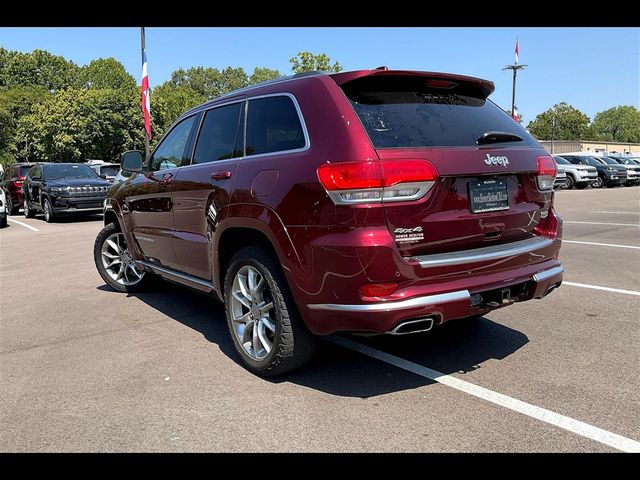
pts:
[547, 274]
[422, 189]
[426, 301]
[482, 254]
[183, 276]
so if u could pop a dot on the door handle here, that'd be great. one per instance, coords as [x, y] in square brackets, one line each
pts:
[221, 175]
[167, 178]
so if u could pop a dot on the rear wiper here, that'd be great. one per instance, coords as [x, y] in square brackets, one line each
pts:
[497, 137]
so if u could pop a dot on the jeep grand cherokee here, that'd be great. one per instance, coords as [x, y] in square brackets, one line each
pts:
[374, 201]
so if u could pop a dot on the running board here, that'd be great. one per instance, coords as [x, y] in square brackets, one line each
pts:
[174, 273]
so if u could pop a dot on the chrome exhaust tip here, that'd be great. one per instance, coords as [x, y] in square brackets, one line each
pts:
[413, 326]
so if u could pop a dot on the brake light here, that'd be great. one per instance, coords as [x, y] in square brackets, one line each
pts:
[378, 289]
[377, 181]
[17, 183]
[547, 171]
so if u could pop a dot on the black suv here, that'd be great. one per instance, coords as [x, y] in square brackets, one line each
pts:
[608, 175]
[63, 188]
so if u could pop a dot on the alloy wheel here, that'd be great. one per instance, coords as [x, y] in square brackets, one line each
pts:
[598, 183]
[117, 262]
[251, 311]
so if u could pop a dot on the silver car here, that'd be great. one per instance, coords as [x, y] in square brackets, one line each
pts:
[579, 176]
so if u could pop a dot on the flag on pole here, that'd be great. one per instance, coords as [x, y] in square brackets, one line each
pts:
[515, 114]
[146, 108]
[516, 50]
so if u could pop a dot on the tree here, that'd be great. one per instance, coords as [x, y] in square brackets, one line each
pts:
[168, 102]
[75, 124]
[106, 73]
[570, 123]
[262, 74]
[618, 124]
[37, 68]
[308, 62]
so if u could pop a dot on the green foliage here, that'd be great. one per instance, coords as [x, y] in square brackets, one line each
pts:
[76, 124]
[37, 68]
[570, 124]
[619, 124]
[262, 74]
[168, 102]
[106, 73]
[308, 62]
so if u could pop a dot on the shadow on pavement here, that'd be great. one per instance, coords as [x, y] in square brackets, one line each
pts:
[458, 346]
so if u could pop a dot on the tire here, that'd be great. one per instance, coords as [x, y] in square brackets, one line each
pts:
[3, 220]
[129, 281]
[581, 186]
[49, 216]
[598, 183]
[570, 182]
[292, 345]
[28, 213]
[11, 208]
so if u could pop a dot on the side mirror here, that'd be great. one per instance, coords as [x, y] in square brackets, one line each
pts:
[131, 161]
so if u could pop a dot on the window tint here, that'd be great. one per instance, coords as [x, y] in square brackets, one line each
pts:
[171, 151]
[23, 170]
[561, 161]
[221, 135]
[35, 172]
[273, 126]
[405, 111]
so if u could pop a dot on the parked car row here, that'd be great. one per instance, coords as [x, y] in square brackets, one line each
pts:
[583, 170]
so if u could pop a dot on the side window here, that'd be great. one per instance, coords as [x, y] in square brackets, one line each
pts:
[171, 151]
[35, 172]
[221, 135]
[273, 125]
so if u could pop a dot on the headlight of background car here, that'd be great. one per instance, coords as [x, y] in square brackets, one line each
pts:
[611, 169]
[58, 189]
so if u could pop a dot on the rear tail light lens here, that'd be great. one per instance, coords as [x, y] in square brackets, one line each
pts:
[17, 183]
[379, 181]
[378, 289]
[547, 171]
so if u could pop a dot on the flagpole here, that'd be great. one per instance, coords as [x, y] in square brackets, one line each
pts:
[146, 136]
[515, 67]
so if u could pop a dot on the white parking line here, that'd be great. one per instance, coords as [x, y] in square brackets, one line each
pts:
[597, 287]
[603, 223]
[616, 213]
[547, 416]
[600, 244]
[23, 224]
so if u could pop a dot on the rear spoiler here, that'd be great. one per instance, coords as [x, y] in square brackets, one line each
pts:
[486, 87]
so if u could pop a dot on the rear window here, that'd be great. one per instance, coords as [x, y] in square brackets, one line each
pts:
[22, 171]
[273, 125]
[109, 171]
[403, 111]
[561, 161]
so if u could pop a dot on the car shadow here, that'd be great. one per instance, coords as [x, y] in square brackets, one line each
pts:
[455, 347]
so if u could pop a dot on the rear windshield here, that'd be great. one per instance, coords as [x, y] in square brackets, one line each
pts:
[610, 161]
[403, 111]
[562, 161]
[593, 161]
[109, 171]
[22, 171]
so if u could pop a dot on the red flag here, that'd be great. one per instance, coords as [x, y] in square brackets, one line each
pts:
[516, 50]
[146, 106]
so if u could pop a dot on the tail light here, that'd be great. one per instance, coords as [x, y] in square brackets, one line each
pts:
[350, 183]
[17, 183]
[547, 171]
[378, 289]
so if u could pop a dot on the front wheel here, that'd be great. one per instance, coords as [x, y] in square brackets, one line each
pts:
[265, 326]
[11, 209]
[49, 216]
[114, 263]
[598, 183]
[570, 183]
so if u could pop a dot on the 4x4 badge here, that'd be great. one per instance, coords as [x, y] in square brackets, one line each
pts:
[497, 160]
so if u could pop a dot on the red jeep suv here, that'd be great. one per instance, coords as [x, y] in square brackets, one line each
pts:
[373, 201]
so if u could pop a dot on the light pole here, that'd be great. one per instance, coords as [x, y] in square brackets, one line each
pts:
[515, 67]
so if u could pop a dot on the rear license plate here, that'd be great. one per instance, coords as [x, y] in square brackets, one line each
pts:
[488, 196]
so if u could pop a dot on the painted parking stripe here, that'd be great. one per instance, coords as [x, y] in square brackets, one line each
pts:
[601, 244]
[23, 224]
[616, 213]
[547, 416]
[603, 223]
[598, 287]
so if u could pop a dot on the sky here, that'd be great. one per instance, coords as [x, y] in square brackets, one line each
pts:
[590, 68]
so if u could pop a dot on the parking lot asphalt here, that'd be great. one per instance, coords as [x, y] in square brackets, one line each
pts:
[83, 368]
